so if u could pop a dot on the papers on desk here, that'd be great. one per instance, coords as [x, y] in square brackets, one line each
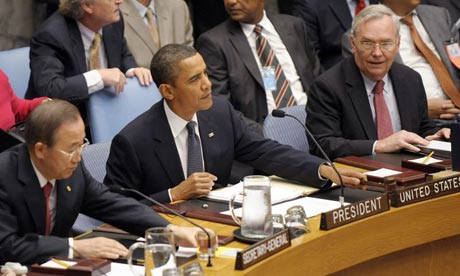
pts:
[116, 269]
[430, 160]
[281, 190]
[313, 206]
[382, 172]
[438, 146]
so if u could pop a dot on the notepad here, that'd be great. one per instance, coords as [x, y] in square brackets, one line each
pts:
[281, 190]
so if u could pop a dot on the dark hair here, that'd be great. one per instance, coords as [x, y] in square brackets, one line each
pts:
[164, 65]
[42, 123]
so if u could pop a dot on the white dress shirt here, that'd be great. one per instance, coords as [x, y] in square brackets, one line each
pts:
[143, 10]
[412, 58]
[283, 56]
[180, 133]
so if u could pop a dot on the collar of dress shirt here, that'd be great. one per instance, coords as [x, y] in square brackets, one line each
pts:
[176, 123]
[87, 35]
[41, 179]
[369, 84]
[143, 9]
[248, 29]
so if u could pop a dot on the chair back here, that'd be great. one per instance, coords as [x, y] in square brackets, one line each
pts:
[286, 130]
[15, 64]
[109, 113]
[94, 157]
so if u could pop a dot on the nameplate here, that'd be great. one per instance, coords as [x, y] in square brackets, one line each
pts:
[262, 250]
[354, 212]
[429, 190]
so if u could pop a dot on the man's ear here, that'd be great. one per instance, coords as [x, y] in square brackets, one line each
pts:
[87, 7]
[167, 91]
[39, 150]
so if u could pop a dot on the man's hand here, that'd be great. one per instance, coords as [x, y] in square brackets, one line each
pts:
[400, 140]
[185, 236]
[99, 248]
[197, 184]
[442, 133]
[142, 74]
[113, 77]
[351, 177]
[442, 109]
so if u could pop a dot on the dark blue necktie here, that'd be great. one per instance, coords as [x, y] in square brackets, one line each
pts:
[195, 161]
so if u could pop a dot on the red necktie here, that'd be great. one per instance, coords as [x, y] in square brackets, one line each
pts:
[47, 191]
[359, 6]
[382, 115]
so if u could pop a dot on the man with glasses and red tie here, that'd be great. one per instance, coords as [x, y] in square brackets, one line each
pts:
[367, 103]
[43, 188]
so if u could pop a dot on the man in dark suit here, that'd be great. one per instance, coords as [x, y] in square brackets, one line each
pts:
[184, 144]
[435, 29]
[367, 104]
[234, 68]
[69, 60]
[327, 21]
[44, 186]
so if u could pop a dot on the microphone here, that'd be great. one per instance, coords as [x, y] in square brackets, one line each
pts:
[35, 237]
[278, 113]
[119, 189]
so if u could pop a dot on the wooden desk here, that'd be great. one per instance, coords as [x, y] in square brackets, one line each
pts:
[419, 239]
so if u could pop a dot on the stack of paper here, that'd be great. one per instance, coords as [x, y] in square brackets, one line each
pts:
[280, 191]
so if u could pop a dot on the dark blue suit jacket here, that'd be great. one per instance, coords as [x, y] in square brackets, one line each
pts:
[22, 209]
[57, 59]
[340, 117]
[143, 155]
[327, 21]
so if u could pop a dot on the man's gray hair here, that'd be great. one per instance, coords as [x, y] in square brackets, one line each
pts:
[72, 8]
[373, 12]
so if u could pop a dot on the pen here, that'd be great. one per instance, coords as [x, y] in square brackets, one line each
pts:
[425, 160]
[62, 263]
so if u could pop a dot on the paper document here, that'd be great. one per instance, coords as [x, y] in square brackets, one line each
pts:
[382, 172]
[280, 191]
[313, 206]
[438, 146]
[431, 160]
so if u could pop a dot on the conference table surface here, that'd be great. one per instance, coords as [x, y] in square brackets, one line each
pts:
[421, 238]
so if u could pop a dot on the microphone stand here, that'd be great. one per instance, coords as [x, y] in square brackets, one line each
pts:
[118, 189]
[278, 113]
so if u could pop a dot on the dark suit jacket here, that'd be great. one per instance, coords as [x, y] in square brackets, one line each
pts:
[233, 70]
[143, 155]
[22, 209]
[57, 59]
[340, 117]
[453, 6]
[438, 25]
[327, 21]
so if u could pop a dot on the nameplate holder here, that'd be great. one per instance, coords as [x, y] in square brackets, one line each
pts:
[262, 250]
[93, 267]
[432, 189]
[354, 212]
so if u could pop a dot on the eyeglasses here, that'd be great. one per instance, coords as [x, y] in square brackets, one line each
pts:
[78, 151]
[370, 45]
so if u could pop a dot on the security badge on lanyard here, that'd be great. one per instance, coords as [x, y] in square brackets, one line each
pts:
[453, 51]
[268, 75]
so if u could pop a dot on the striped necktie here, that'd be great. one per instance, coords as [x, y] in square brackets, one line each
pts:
[283, 94]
